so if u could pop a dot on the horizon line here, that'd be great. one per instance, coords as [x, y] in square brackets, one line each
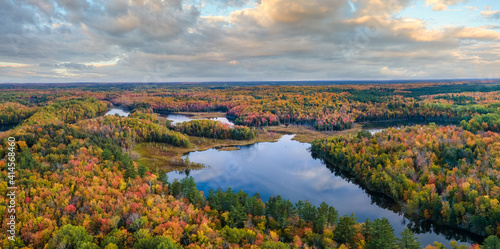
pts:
[256, 81]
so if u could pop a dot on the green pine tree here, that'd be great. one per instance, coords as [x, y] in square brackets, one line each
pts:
[408, 240]
[382, 235]
[492, 242]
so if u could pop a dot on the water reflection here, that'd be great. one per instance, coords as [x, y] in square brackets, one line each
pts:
[7, 127]
[374, 127]
[179, 118]
[120, 112]
[286, 168]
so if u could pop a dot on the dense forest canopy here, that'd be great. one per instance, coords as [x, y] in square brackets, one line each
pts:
[79, 186]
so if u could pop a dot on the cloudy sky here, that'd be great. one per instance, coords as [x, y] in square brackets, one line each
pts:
[239, 40]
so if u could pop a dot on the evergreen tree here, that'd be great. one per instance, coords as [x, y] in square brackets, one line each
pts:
[158, 242]
[274, 245]
[130, 172]
[408, 240]
[492, 242]
[382, 235]
[345, 230]
[142, 170]
[70, 236]
[106, 154]
[27, 161]
[237, 216]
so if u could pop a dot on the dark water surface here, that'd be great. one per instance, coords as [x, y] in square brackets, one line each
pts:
[287, 168]
[7, 127]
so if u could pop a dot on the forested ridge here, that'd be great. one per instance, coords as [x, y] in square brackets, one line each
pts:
[129, 130]
[80, 188]
[14, 113]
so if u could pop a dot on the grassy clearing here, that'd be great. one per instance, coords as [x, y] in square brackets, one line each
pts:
[230, 148]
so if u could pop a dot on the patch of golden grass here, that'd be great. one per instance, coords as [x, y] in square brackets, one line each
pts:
[229, 148]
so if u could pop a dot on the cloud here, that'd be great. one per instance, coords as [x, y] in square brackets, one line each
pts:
[471, 8]
[223, 4]
[393, 72]
[477, 33]
[490, 14]
[283, 15]
[132, 24]
[441, 5]
[69, 65]
[377, 7]
[12, 65]
[170, 40]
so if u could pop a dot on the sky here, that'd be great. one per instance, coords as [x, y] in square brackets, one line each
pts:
[247, 40]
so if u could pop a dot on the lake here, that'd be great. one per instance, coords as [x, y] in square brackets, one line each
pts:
[179, 118]
[118, 111]
[176, 118]
[378, 126]
[287, 168]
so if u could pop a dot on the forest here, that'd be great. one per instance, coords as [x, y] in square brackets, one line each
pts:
[81, 191]
[442, 173]
[79, 186]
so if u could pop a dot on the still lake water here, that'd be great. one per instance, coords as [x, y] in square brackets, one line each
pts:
[118, 111]
[177, 119]
[375, 127]
[286, 168]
